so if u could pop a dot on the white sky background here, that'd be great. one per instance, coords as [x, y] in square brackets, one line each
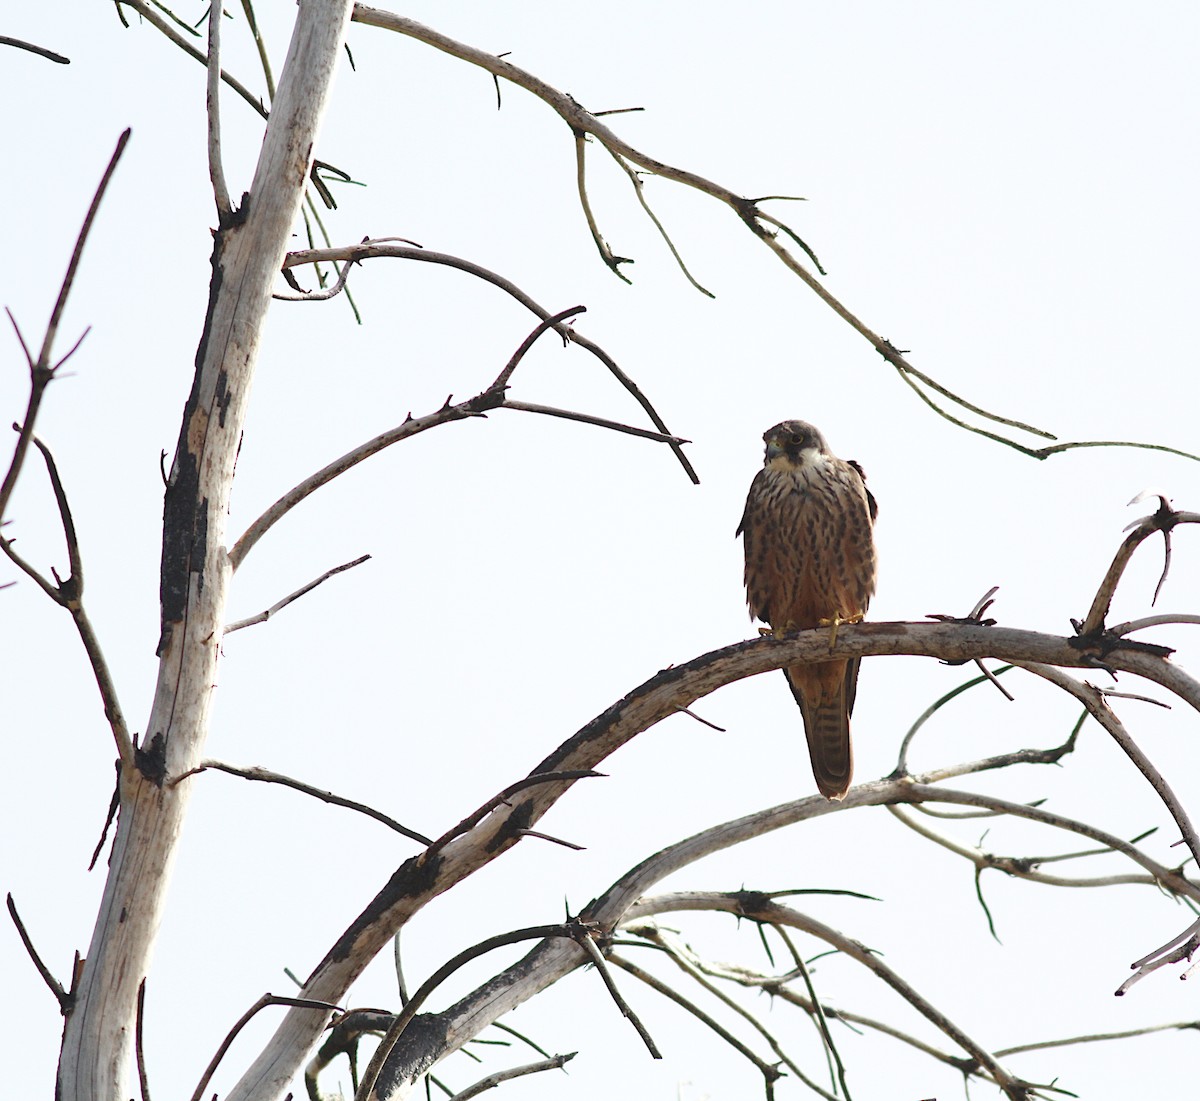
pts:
[1006, 190]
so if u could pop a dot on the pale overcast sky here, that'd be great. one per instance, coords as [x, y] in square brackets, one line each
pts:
[1006, 190]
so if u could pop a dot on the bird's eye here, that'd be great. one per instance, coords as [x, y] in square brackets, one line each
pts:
[797, 439]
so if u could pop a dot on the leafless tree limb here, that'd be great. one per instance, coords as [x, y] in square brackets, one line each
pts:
[63, 997]
[42, 368]
[494, 397]
[760, 908]
[139, 1044]
[39, 50]
[147, 12]
[266, 776]
[68, 594]
[766, 228]
[1098, 708]
[658, 937]
[769, 1071]
[587, 941]
[263, 616]
[557, 1062]
[216, 170]
[264, 59]
[367, 1087]
[611, 260]
[481, 838]
[639, 189]
[587, 418]
[258, 1006]
[1165, 519]
[1019, 867]
[369, 249]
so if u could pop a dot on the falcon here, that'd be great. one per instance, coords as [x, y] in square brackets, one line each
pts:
[810, 562]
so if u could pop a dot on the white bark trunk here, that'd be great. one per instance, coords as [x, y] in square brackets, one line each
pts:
[95, 1060]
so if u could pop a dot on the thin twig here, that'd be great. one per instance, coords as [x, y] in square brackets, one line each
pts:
[688, 963]
[930, 711]
[368, 249]
[216, 171]
[557, 1062]
[587, 418]
[41, 51]
[366, 1088]
[611, 261]
[263, 616]
[42, 368]
[1094, 701]
[501, 798]
[639, 190]
[1162, 520]
[139, 1045]
[147, 12]
[264, 58]
[550, 837]
[262, 1003]
[266, 776]
[769, 1072]
[64, 999]
[588, 943]
[1099, 1037]
[69, 595]
[584, 123]
[552, 322]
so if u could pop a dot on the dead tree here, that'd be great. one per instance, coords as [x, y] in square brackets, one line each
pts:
[158, 770]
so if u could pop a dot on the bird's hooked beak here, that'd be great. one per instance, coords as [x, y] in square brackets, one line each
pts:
[773, 449]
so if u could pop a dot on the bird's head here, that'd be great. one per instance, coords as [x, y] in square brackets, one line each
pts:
[792, 444]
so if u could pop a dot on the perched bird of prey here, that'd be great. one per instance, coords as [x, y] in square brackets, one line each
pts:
[810, 562]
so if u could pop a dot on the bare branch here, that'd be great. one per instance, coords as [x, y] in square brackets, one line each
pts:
[588, 943]
[366, 1090]
[266, 776]
[41, 51]
[1164, 520]
[64, 999]
[640, 190]
[263, 616]
[473, 407]
[147, 12]
[1099, 1037]
[764, 227]
[1098, 708]
[42, 369]
[485, 836]
[139, 1045]
[369, 249]
[587, 418]
[752, 905]
[557, 1062]
[263, 58]
[552, 322]
[769, 1071]
[682, 959]
[69, 594]
[216, 170]
[611, 261]
[262, 1003]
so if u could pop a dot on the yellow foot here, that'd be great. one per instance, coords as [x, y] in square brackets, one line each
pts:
[835, 621]
[782, 631]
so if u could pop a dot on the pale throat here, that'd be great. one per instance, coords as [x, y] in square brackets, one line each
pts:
[813, 463]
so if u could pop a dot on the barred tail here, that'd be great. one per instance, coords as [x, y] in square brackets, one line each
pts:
[825, 694]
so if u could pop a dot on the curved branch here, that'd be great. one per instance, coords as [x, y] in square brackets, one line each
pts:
[1164, 520]
[423, 878]
[374, 248]
[766, 228]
